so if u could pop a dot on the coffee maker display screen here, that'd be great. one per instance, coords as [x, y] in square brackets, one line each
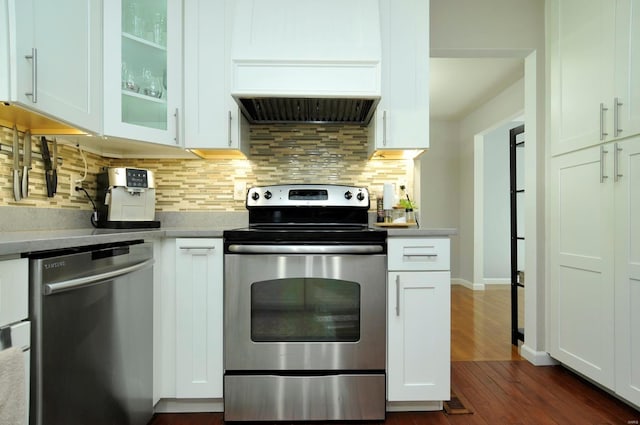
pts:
[137, 178]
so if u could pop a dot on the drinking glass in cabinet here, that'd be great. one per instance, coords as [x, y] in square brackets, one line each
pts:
[128, 79]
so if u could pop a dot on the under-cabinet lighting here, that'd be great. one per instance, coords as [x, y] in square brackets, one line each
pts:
[218, 153]
[397, 154]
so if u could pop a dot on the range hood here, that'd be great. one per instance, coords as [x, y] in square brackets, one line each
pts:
[306, 61]
[269, 110]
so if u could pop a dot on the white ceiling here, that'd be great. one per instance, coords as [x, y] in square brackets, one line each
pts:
[460, 85]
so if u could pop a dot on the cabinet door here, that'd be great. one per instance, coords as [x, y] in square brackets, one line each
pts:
[59, 59]
[212, 119]
[143, 70]
[418, 336]
[402, 117]
[14, 290]
[627, 195]
[582, 72]
[627, 90]
[5, 50]
[199, 318]
[581, 293]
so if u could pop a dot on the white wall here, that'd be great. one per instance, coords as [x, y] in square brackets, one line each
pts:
[496, 205]
[489, 28]
[502, 28]
[504, 106]
[484, 28]
[439, 182]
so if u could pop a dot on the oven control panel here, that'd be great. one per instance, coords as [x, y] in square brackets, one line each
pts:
[308, 195]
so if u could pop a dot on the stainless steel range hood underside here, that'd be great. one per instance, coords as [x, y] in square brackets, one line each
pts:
[280, 110]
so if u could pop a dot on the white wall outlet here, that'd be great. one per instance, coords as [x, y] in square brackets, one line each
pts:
[239, 191]
[73, 178]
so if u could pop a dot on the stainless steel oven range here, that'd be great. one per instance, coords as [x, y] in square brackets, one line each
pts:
[305, 307]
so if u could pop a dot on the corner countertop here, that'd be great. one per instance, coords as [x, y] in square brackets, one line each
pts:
[413, 232]
[16, 243]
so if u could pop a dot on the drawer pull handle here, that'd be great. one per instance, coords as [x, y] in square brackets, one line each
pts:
[197, 247]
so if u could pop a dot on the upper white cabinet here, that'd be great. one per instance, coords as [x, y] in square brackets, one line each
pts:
[212, 119]
[5, 43]
[593, 54]
[627, 78]
[143, 70]
[401, 120]
[55, 59]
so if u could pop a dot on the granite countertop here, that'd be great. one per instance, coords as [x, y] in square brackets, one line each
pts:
[15, 243]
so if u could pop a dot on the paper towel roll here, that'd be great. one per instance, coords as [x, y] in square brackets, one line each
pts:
[388, 196]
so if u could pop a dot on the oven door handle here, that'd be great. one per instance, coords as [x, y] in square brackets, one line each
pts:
[305, 249]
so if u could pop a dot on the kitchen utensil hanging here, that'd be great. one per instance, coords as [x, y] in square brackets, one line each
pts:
[26, 166]
[54, 170]
[48, 169]
[16, 166]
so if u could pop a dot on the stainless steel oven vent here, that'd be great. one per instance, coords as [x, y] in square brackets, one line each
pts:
[275, 110]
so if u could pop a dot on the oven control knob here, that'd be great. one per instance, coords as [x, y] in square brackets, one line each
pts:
[255, 196]
[360, 196]
[348, 195]
[267, 195]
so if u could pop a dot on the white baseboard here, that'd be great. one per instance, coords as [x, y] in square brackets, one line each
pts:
[414, 406]
[467, 284]
[496, 281]
[537, 358]
[190, 405]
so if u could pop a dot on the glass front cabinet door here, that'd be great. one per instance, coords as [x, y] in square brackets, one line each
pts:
[142, 71]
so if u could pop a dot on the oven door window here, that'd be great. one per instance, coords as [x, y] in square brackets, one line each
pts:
[305, 310]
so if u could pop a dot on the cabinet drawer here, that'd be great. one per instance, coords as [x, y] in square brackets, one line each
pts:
[418, 253]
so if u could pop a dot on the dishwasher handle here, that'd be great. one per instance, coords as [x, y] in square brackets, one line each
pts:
[53, 288]
[305, 249]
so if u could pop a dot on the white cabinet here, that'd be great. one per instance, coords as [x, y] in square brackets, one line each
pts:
[5, 54]
[212, 119]
[198, 280]
[143, 70]
[627, 271]
[401, 120]
[418, 320]
[595, 264]
[55, 55]
[593, 55]
[627, 77]
[581, 300]
[14, 290]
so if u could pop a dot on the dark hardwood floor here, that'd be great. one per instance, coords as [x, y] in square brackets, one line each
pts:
[492, 380]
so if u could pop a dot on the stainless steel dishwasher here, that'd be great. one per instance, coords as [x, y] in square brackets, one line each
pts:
[92, 339]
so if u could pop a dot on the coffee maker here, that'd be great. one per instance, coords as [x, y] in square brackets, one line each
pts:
[126, 199]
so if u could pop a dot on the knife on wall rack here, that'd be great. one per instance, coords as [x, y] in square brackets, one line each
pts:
[48, 170]
[54, 172]
[26, 167]
[17, 193]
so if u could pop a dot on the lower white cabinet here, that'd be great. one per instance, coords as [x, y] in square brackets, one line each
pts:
[627, 271]
[198, 280]
[418, 320]
[595, 264]
[14, 290]
[581, 293]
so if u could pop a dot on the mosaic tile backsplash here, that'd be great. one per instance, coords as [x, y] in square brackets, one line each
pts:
[278, 154]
